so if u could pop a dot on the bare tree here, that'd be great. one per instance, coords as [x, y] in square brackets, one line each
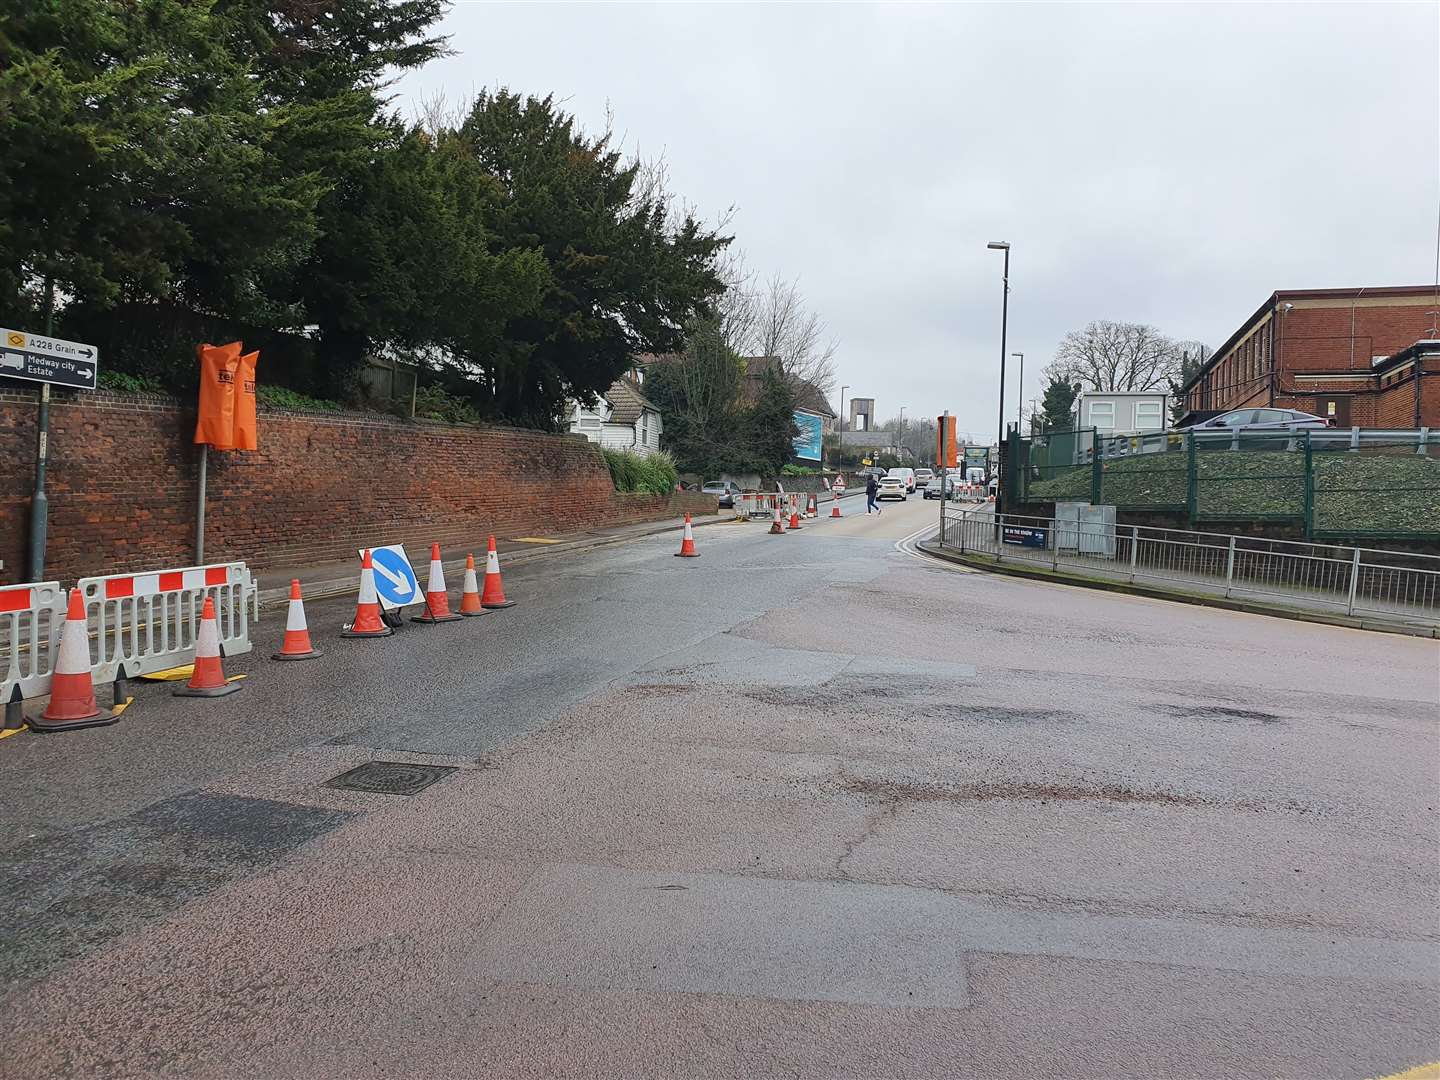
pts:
[1117, 356]
[781, 325]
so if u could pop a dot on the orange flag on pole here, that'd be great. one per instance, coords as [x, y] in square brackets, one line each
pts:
[245, 434]
[218, 367]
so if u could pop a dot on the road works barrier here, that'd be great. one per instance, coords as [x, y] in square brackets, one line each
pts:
[30, 620]
[763, 504]
[145, 623]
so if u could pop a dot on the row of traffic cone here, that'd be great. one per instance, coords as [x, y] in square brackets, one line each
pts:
[473, 601]
[72, 684]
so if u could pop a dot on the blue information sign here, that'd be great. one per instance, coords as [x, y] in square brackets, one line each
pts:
[1023, 536]
[808, 442]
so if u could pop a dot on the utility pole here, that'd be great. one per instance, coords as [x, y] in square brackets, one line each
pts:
[39, 501]
[1002, 245]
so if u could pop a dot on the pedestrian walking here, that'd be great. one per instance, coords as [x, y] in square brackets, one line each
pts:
[872, 486]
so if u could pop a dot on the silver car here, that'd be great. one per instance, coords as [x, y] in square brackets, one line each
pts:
[1263, 420]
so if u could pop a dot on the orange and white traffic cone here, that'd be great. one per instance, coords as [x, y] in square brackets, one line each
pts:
[72, 688]
[494, 595]
[794, 514]
[810, 509]
[296, 645]
[367, 611]
[208, 679]
[835, 506]
[687, 544]
[437, 597]
[777, 527]
[470, 594]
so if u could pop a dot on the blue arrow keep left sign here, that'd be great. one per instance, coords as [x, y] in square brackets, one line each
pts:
[395, 581]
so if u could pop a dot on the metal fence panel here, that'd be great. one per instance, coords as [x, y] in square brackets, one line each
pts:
[1353, 580]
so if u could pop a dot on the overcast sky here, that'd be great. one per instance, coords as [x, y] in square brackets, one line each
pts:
[1163, 164]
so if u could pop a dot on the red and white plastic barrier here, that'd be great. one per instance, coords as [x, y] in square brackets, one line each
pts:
[30, 620]
[149, 622]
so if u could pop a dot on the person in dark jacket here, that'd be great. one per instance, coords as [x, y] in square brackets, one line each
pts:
[871, 487]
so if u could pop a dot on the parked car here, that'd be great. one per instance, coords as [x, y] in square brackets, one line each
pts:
[892, 487]
[1262, 420]
[923, 478]
[906, 475]
[724, 490]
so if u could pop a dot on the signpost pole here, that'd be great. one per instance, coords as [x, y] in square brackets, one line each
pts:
[40, 502]
[200, 507]
[944, 463]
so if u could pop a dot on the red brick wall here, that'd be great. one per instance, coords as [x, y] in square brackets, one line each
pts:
[123, 474]
[1311, 339]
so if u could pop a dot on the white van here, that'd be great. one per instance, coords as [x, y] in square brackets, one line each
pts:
[906, 474]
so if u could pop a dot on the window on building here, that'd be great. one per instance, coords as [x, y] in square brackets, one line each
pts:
[1102, 415]
[1147, 416]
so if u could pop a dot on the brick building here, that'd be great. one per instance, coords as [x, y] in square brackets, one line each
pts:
[1366, 357]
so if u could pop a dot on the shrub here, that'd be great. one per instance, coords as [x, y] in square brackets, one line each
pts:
[285, 398]
[630, 471]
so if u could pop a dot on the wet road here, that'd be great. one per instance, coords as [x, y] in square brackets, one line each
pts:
[805, 806]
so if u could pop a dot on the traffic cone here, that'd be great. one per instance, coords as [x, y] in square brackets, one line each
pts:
[470, 595]
[208, 679]
[835, 506]
[72, 689]
[494, 594]
[777, 527]
[437, 598]
[296, 645]
[367, 612]
[810, 508]
[794, 515]
[687, 545]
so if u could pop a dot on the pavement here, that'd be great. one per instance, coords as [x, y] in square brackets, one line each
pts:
[809, 805]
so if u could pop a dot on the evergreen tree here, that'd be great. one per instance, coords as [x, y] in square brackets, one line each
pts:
[1058, 404]
[771, 425]
[698, 393]
[624, 279]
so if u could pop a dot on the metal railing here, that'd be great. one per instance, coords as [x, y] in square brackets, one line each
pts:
[1353, 580]
[1341, 484]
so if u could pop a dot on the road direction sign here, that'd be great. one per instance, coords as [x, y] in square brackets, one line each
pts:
[395, 581]
[24, 355]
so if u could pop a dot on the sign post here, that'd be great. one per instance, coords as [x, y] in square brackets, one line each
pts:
[46, 360]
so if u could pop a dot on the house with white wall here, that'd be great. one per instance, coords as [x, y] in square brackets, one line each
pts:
[624, 419]
[1121, 412]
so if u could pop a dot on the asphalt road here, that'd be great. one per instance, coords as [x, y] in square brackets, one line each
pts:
[808, 805]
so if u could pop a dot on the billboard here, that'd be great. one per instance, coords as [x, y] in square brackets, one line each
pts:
[976, 457]
[808, 442]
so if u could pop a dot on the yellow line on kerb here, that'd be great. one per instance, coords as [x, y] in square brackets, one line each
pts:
[14, 731]
[534, 540]
[1419, 1072]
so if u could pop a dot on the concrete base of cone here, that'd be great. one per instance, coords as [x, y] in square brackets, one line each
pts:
[209, 691]
[492, 606]
[382, 632]
[687, 554]
[100, 719]
[311, 655]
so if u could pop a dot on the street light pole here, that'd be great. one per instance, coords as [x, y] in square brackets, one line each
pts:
[900, 438]
[840, 427]
[1002, 245]
[1020, 392]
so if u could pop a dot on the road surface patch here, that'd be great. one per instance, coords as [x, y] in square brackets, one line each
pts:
[390, 777]
[69, 893]
[604, 928]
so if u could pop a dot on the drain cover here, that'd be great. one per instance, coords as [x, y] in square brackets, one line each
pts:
[390, 777]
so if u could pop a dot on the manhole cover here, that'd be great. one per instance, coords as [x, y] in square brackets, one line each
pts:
[390, 777]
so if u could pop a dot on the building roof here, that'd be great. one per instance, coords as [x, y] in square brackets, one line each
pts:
[1284, 295]
[627, 402]
[808, 396]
